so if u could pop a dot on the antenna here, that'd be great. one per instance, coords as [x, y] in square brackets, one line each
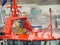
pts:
[14, 7]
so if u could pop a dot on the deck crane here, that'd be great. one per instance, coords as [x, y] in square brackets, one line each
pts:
[33, 36]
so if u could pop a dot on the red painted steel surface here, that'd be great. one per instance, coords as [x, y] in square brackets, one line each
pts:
[32, 36]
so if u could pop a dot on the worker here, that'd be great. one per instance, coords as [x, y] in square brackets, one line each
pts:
[17, 27]
[20, 27]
